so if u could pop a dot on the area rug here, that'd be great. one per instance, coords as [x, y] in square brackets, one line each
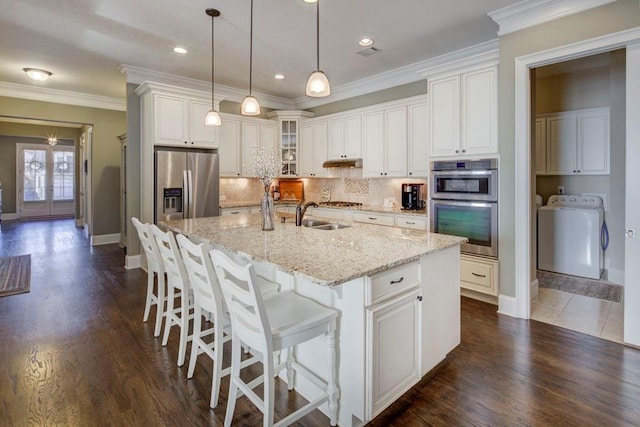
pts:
[15, 275]
[600, 289]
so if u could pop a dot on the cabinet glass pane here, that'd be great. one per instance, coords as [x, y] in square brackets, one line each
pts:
[285, 126]
[293, 127]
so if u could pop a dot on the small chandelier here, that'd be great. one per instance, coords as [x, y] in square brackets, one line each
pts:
[52, 140]
[318, 83]
[250, 105]
[213, 117]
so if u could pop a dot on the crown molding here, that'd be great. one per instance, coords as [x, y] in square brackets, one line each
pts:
[463, 60]
[402, 75]
[529, 13]
[139, 75]
[14, 90]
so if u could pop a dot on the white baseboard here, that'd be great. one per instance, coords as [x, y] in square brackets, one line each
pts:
[79, 223]
[616, 276]
[105, 239]
[507, 305]
[479, 296]
[132, 261]
[10, 216]
[533, 289]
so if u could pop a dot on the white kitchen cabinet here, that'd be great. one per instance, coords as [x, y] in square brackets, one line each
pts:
[179, 121]
[463, 116]
[229, 148]
[418, 140]
[328, 213]
[235, 211]
[479, 274]
[374, 218]
[576, 142]
[313, 149]
[414, 222]
[345, 137]
[541, 146]
[257, 133]
[385, 143]
[393, 336]
[289, 122]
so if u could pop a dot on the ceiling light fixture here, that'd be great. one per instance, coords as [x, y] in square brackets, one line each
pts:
[279, 76]
[213, 117]
[365, 41]
[310, 1]
[180, 50]
[318, 83]
[52, 140]
[37, 74]
[250, 105]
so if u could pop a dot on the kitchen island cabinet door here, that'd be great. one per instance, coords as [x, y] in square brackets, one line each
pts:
[393, 350]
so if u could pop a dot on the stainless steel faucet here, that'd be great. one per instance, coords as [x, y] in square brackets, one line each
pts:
[300, 211]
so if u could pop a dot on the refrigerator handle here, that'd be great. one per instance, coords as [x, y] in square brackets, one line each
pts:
[192, 214]
[185, 195]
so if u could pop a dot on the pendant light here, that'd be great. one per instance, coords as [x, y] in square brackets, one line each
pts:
[318, 83]
[250, 105]
[213, 117]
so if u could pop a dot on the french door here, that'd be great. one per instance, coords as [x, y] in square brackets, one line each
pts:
[46, 180]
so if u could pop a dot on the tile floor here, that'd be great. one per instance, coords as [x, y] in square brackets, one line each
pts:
[579, 313]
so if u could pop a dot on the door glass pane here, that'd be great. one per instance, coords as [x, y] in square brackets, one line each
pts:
[63, 175]
[35, 173]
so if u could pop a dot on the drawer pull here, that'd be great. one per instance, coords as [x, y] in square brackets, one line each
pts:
[479, 275]
[393, 282]
[372, 218]
[411, 223]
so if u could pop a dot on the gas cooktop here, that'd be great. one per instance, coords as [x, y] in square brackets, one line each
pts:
[341, 204]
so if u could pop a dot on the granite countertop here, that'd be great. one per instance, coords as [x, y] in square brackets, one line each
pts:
[364, 208]
[326, 257]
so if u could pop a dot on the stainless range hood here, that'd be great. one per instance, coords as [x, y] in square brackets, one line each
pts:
[343, 163]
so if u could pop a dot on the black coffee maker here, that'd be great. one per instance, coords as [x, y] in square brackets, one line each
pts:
[412, 196]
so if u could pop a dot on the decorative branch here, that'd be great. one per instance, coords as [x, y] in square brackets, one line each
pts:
[266, 169]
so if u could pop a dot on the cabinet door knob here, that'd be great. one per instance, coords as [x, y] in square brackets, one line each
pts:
[419, 297]
[574, 171]
[186, 142]
[381, 173]
[464, 151]
[457, 151]
[410, 173]
[385, 173]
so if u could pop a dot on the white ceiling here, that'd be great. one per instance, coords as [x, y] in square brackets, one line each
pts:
[83, 42]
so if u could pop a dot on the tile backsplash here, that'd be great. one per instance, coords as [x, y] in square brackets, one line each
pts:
[368, 191]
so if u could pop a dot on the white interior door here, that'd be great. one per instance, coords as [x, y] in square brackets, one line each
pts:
[46, 180]
[632, 206]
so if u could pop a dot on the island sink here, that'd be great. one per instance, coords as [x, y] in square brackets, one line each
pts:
[322, 225]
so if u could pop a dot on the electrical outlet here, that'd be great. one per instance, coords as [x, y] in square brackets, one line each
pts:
[560, 189]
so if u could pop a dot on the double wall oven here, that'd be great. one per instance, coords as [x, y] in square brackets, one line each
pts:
[464, 202]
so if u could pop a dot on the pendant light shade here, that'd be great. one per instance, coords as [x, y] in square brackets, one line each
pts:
[318, 83]
[213, 117]
[250, 105]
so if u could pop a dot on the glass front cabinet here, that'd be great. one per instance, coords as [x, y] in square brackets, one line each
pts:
[289, 127]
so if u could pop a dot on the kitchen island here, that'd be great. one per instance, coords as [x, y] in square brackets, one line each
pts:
[397, 291]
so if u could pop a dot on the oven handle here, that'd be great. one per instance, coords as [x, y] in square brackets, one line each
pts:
[474, 203]
[441, 174]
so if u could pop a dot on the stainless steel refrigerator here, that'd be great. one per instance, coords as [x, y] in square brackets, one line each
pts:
[187, 183]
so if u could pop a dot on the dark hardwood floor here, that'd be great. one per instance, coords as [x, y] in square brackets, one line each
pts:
[74, 351]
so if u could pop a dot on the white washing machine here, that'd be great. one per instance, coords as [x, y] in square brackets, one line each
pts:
[569, 235]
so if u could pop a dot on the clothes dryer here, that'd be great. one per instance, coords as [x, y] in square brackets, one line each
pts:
[570, 235]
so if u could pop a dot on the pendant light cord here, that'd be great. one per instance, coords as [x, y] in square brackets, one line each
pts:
[317, 34]
[251, 49]
[213, 70]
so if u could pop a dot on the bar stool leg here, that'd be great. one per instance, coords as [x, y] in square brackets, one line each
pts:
[290, 370]
[235, 373]
[159, 305]
[332, 389]
[195, 343]
[147, 307]
[269, 389]
[168, 320]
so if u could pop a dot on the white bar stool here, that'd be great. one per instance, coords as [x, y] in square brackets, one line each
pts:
[268, 325]
[208, 298]
[178, 287]
[154, 268]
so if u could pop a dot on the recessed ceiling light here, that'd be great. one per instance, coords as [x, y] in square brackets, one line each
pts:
[279, 76]
[365, 41]
[180, 50]
[310, 1]
[37, 74]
